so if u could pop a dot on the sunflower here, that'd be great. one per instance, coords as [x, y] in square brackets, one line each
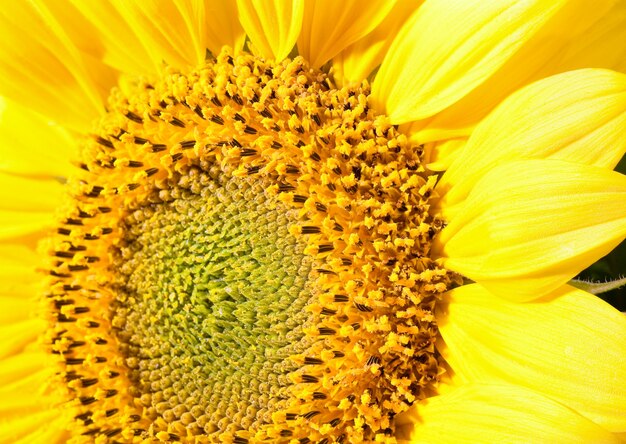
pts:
[310, 221]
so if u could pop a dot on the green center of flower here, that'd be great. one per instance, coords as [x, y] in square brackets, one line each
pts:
[213, 291]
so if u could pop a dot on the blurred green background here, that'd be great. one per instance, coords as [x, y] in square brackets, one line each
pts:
[611, 267]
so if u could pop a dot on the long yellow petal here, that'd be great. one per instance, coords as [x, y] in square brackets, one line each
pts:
[357, 61]
[17, 335]
[15, 224]
[578, 116]
[16, 367]
[330, 26]
[494, 413]
[568, 346]
[428, 67]
[528, 227]
[18, 255]
[121, 48]
[582, 34]
[600, 45]
[178, 32]
[43, 68]
[34, 195]
[43, 427]
[44, 153]
[272, 26]
[17, 309]
[211, 25]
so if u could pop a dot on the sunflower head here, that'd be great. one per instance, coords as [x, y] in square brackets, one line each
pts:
[246, 256]
[255, 245]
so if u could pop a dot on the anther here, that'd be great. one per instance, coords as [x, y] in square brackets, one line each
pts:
[112, 432]
[140, 140]
[177, 122]
[309, 379]
[325, 248]
[310, 415]
[307, 229]
[254, 169]
[95, 191]
[246, 152]
[104, 142]
[217, 119]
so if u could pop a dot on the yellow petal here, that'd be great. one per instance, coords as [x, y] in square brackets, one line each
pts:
[578, 116]
[225, 29]
[179, 32]
[17, 255]
[19, 278]
[601, 45]
[32, 145]
[42, 68]
[121, 47]
[357, 61]
[582, 34]
[15, 336]
[14, 224]
[330, 26]
[494, 413]
[272, 26]
[18, 309]
[528, 227]
[440, 155]
[33, 195]
[40, 427]
[16, 367]
[446, 50]
[19, 397]
[568, 346]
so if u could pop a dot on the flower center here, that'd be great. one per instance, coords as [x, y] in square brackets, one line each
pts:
[244, 257]
[212, 304]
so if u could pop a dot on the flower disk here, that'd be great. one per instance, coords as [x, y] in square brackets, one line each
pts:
[245, 258]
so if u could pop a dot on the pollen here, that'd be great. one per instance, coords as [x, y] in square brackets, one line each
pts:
[244, 257]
